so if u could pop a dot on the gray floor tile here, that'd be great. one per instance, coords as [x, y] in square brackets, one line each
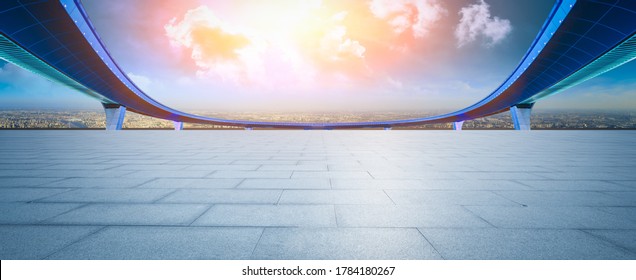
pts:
[268, 216]
[38, 242]
[168, 243]
[427, 184]
[551, 217]
[80, 173]
[214, 167]
[285, 184]
[413, 175]
[331, 174]
[174, 183]
[32, 213]
[573, 185]
[225, 196]
[419, 197]
[343, 243]
[151, 167]
[96, 166]
[406, 216]
[294, 167]
[186, 174]
[629, 197]
[521, 244]
[622, 212]
[625, 239]
[110, 195]
[334, 197]
[495, 174]
[25, 182]
[631, 184]
[376, 184]
[586, 175]
[265, 161]
[23, 166]
[565, 198]
[251, 174]
[346, 167]
[27, 194]
[131, 214]
[114, 182]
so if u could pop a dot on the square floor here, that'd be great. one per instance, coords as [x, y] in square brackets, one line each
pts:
[351, 194]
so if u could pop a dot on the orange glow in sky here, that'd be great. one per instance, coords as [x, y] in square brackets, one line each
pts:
[301, 44]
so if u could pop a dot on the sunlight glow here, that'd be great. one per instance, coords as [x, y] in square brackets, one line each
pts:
[299, 44]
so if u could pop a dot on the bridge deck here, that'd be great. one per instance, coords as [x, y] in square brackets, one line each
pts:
[317, 195]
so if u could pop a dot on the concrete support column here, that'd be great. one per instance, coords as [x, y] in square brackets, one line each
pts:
[458, 125]
[115, 114]
[521, 116]
[178, 125]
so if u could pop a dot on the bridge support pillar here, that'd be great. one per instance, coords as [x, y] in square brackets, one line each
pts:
[521, 116]
[115, 114]
[458, 125]
[178, 125]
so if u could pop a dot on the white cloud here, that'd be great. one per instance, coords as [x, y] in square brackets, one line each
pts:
[476, 21]
[337, 46]
[269, 61]
[402, 15]
[217, 49]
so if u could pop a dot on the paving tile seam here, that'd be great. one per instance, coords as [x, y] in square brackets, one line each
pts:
[479, 217]
[506, 198]
[239, 183]
[68, 190]
[431, 244]
[608, 241]
[75, 242]
[62, 213]
[280, 195]
[141, 184]
[257, 242]
[614, 193]
[158, 200]
[57, 179]
[201, 215]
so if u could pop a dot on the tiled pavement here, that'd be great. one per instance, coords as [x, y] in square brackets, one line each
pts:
[317, 195]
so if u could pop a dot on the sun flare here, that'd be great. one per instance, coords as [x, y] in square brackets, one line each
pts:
[300, 43]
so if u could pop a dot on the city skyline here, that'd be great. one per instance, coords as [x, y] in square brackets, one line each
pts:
[95, 119]
[446, 86]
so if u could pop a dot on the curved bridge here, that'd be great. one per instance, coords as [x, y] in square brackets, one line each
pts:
[580, 39]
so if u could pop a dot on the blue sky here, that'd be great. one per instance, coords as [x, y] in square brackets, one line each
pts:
[403, 55]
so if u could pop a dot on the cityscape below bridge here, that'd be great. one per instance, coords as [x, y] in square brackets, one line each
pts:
[579, 40]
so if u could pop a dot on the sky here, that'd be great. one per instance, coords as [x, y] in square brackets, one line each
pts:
[317, 55]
